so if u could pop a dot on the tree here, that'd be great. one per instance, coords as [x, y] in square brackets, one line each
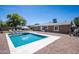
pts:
[54, 20]
[22, 21]
[76, 21]
[0, 24]
[3, 24]
[15, 19]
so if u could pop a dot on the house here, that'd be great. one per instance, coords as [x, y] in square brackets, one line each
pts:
[52, 27]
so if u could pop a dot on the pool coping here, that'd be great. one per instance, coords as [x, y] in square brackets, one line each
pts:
[31, 47]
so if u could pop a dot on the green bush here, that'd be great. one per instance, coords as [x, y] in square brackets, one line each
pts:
[76, 21]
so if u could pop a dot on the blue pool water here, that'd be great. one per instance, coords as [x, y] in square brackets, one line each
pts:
[24, 38]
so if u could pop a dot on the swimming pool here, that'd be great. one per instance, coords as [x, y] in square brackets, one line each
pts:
[24, 38]
[30, 47]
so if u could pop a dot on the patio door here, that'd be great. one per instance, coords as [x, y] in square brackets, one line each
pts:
[56, 28]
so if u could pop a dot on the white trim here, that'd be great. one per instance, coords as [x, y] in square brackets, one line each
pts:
[31, 47]
[50, 24]
[46, 27]
[41, 28]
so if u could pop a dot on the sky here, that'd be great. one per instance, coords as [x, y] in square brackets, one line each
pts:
[41, 13]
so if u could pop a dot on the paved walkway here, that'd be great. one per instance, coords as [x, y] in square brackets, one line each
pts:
[4, 49]
[64, 45]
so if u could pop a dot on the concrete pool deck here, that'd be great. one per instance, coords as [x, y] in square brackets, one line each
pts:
[33, 46]
[64, 45]
[4, 49]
